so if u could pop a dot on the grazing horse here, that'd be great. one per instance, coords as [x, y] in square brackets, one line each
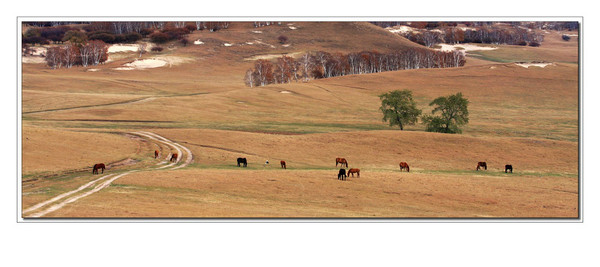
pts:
[342, 161]
[155, 153]
[173, 157]
[342, 174]
[404, 165]
[242, 161]
[482, 164]
[97, 167]
[352, 171]
[283, 164]
[507, 167]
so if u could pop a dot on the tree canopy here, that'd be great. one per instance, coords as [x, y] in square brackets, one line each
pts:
[453, 114]
[399, 108]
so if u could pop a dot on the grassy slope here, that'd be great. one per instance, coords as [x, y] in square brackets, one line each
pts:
[527, 117]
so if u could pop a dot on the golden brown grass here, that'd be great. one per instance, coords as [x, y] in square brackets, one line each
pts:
[524, 117]
[289, 193]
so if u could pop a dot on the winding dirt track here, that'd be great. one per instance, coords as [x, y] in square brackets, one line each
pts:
[61, 200]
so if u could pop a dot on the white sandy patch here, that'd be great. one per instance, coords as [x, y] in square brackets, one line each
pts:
[286, 45]
[198, 42]
[38, 51]
[437, 30]
[124, 68]
[285, 92]
[465, 47]
[156, 62]
[92, 70]
[466, 28]
[272, 56]
[33, 60]
[527, 65]
[249, 43]
[293, 28]
[118, 48]
[259, 42]
[227, 44]
[257, 31]
[401, 29]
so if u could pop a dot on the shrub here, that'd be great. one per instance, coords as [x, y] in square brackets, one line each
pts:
[566, 37]
[534, 44]
[190, 27]
[522, 43]
[145, 32]
[156, 49]
[159, 37]
[282, 39]
[133, 37]
[102, 36]
[184, 41]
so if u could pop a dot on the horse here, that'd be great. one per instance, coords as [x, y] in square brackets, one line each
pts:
[156, 153]
[404, 165]
[173, 157]
[507, 167]
[283, 164]
[341, 161]
[97, 167]
[352, 171]
[342, 174]
[482, 164]
[242, 161]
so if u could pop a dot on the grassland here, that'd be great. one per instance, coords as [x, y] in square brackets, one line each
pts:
[527, 117]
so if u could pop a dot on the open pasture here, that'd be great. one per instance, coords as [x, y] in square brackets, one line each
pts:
[527, 117]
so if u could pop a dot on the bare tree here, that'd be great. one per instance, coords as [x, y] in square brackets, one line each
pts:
[142, 48]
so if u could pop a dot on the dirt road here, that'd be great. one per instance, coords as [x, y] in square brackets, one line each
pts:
[104, 181]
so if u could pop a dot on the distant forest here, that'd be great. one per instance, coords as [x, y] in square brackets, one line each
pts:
[317, 65]
[511, 33]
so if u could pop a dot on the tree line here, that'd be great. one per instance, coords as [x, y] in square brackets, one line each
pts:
[483, 34]
[320, 64]
[118, 32]
[88, 54]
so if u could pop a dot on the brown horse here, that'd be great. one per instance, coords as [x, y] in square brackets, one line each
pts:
[404, 165]
[352, 171]
[341, 161]
[482, 164]
[97, 167]
[155, 153]
[173, 157]
[283, 164]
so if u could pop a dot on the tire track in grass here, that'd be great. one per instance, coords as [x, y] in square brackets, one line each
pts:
[55, 204]
[54, 199]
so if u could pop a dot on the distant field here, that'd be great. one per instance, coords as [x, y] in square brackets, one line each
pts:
[527, 117]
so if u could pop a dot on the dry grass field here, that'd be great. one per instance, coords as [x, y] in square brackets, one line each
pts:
[527, 117]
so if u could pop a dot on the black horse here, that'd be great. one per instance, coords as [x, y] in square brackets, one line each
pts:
[507, 168]
[342, 174]
[242, 161]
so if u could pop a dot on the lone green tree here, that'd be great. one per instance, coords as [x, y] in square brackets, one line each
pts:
[453, 114]
[399, 108]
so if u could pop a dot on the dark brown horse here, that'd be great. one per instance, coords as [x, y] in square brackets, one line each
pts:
[156, 153]
[97, 167]
[482, 164]
[404, 165]
[507, 168]
[173, 157]
[341, 161]
[283, 164]
[352, 171]
[242, 161]
[342, 174]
